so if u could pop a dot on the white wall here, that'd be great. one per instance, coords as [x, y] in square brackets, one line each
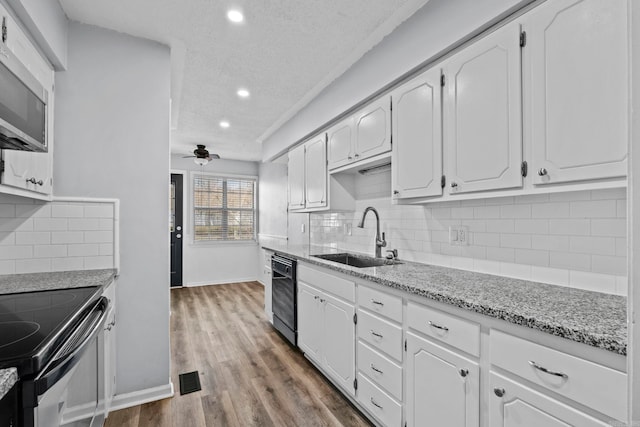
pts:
[48, 25]
[436, 26]
[214, 263]
[112, 140]
[273, 199]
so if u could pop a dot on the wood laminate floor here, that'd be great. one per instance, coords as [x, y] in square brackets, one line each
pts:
[249, 375]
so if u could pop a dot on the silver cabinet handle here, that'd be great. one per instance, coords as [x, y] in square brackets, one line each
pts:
[442, 328]
[374, 403]
[376, 369]
[356, 155]
[322, 300]
[464, 372]
[375, 334]
[316, 297]
[499, 391]
[396, 192]
[377, 302]
[454, 185]
[542, 171]
[546, 371]
[349, 158]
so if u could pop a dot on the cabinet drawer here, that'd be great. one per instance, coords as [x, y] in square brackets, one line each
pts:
[449, 329]
[380, 302]
[337, 286]
[596, 386]
[380, 369]
[381, 334]
[378, 403]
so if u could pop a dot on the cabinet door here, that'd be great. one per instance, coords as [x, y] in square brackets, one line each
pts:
[296, 178]
[512, 404]
[316, 172]
[417, 137]
[338, 349]
[443, 388]
[482, 116]
[340, 144]
[309, 321]
[373, 129]
[576, 83]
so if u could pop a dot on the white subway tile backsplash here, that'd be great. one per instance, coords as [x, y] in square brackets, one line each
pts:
[616, 227]
[33, 265]
[550, 210]
[50, 224]
[84, 224]
[67, 211]
[98, 262]
[58, 237]
[592, 281]
[609, 265]
[32, 210]
[33, 238]
[7, 211]
[622, 285]
[594, 209]
[98, 211]
[105, 249]
[592, 245]
[85, 249]
[570, 227]
[16, 252]
[549, 234]
[49, 251]
[7, 267]
[67, 264]
[7, 238]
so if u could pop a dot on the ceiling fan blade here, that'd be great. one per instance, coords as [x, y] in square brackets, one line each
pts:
[213, 156]
[188, 157]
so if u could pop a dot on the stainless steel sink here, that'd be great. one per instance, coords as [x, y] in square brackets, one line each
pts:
[359, 261]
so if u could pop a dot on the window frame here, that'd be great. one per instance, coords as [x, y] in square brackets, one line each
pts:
[192, 209]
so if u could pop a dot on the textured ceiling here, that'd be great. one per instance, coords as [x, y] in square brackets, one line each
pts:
[285, 53]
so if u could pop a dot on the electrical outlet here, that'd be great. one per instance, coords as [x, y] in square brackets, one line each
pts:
[459, 235]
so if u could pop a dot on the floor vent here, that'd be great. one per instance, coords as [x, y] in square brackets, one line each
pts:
[189, 382]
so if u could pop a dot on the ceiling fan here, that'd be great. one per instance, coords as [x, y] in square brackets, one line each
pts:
[201, 155]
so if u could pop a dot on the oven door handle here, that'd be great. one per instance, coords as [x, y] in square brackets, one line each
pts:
[66, 359]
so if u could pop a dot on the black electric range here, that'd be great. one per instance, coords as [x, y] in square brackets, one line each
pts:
[33, 325]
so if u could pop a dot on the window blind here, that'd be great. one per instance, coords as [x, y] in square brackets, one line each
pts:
[223, 208]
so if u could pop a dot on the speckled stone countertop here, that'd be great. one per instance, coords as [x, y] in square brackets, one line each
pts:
[12, 283]
[592, 318]
[8, 377]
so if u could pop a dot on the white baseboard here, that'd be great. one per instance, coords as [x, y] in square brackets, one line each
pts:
[127, 400]
[221, 282]
[78, 412]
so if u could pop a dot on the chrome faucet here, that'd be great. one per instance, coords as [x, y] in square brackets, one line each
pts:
[380, 242]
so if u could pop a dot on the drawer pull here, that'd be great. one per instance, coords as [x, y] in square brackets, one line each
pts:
[435, 325]
[375, 403]
[377, 302]
[464, 372]
[376, 369]
[546, 371]
[375, 334]
[499, 391]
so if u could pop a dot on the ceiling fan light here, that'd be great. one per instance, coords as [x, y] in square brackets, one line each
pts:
[200, 161]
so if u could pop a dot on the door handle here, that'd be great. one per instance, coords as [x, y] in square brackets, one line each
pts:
[179, 228]
[178, 236]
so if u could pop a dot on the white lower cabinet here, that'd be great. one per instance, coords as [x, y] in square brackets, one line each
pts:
[443, 387]
[513, 404]
[326, 333]
[382, 406]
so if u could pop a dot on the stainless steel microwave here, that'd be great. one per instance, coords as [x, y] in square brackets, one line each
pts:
[23, 107]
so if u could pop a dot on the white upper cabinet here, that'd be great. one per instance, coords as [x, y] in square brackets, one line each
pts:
[340, 143]
[417, 137]
[482, 114]
[576, 88]
[296, 178]
[316, 172]
[361, 135]
[373, 129]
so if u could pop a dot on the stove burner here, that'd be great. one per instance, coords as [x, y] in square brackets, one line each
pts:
[13, 332]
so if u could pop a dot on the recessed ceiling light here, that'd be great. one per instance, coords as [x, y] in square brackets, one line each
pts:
[235, 15]
[224, 124]
[243, 93]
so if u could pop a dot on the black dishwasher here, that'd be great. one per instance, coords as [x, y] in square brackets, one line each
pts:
[284, 297]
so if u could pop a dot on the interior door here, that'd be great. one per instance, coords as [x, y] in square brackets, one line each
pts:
[175, 229]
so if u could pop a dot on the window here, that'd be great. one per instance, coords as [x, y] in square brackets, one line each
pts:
[224, 208]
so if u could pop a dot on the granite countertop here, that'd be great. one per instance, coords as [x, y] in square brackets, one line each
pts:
[8, 377]
[14, 283]
[592, 318]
